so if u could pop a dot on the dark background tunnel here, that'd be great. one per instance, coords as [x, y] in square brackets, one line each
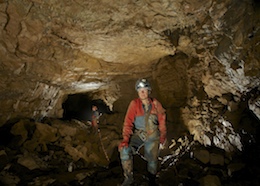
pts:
[79, 106]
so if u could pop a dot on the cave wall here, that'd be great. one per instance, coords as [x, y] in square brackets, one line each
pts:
[202, 57]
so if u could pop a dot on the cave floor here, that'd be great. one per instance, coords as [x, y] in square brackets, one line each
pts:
[176, 175]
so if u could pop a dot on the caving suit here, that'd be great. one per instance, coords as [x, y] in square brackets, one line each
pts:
[94, 120]
[143, 127]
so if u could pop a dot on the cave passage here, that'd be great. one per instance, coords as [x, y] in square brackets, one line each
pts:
[79, 106]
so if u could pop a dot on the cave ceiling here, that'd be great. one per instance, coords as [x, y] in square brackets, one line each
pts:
[50, 49]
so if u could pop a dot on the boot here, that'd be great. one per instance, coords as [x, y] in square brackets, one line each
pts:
[152, 179]
[128, 172]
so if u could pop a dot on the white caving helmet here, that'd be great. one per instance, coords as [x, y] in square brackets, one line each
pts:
[143, 83]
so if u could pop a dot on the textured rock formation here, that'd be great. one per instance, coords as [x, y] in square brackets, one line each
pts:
[75, 155]
[201, 56]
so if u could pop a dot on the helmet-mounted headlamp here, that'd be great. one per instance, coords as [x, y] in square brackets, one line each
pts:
[142, 83]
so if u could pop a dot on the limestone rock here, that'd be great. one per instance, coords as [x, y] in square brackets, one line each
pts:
[210, 180]
[202, 155]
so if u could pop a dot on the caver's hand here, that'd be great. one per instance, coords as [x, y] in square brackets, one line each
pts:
[162, 144]
[124, 143]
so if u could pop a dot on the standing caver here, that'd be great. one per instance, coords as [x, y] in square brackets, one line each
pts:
[144, 125]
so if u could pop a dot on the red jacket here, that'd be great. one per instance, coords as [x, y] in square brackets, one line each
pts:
[135, 117]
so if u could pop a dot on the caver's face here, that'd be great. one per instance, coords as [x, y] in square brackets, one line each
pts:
[143, 93]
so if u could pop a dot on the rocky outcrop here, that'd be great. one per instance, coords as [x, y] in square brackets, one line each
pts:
[58, 152]
[56, 137]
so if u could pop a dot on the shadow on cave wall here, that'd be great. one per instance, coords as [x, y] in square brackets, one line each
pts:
[78, 106]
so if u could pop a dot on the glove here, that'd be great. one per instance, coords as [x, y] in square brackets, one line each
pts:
[162, 140]
[122, 144]
[162, 144]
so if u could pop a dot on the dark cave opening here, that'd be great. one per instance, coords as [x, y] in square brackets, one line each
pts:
[79, 106]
